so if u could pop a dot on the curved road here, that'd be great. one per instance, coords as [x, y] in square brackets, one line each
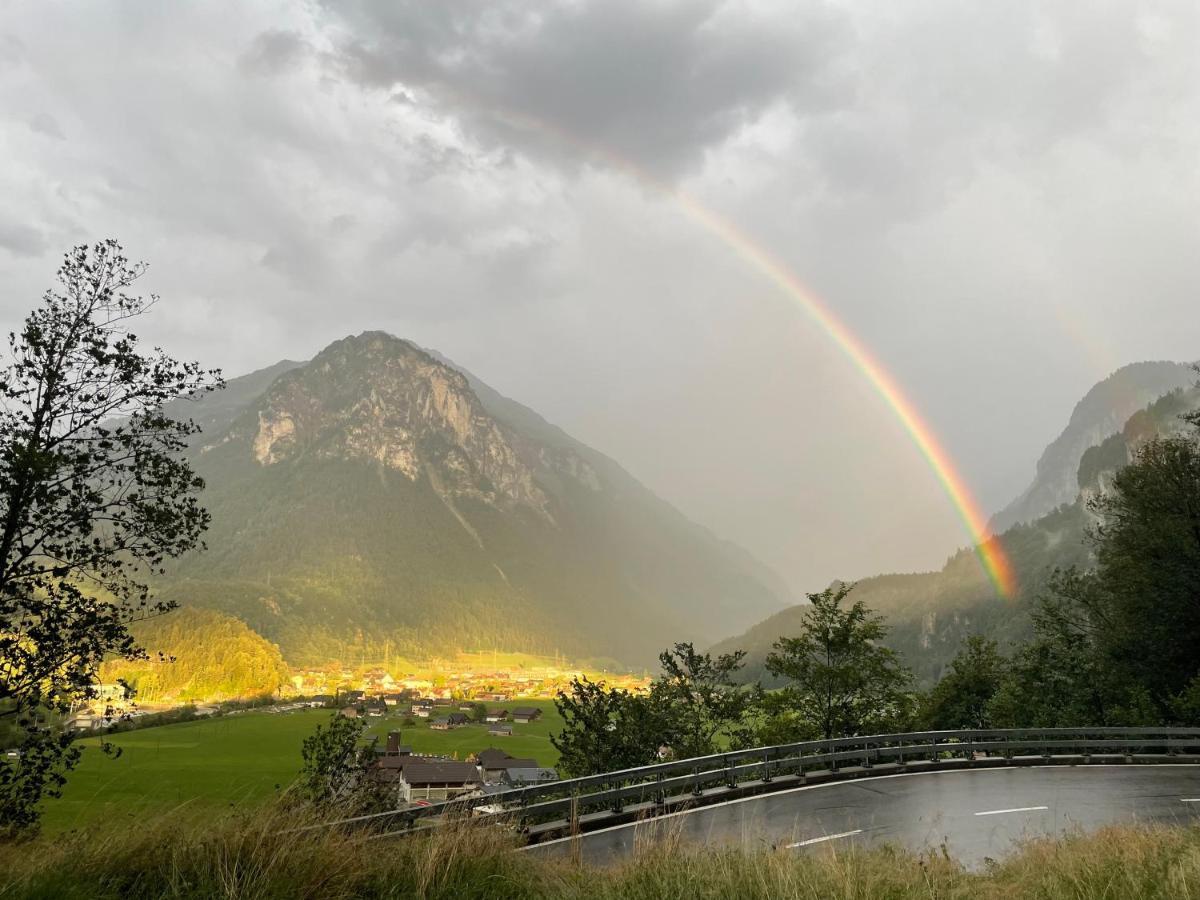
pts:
[976, 813]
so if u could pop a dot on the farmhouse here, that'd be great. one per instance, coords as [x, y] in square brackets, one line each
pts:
[495, 764]
[526, 714]
[496, 715]
[499, 730]
[436, 779]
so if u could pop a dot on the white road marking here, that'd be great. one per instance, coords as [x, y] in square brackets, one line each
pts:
[996, 812]
[1189, 799]
[828, 837]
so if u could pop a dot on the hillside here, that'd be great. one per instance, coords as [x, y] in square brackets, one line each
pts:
[1101, 413]
[370, 501]
[199, 654]
[931, 613]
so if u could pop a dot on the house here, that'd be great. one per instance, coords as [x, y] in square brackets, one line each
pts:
[437, 780]
[320, 700]
[376, 708]
[394, 699]
[496, 715]
[522, 776]
[526, 714]
[85, 722]
[440, 724]
[445, 723]
[393, 747]
[350, 712]
[458, 719]
[352, 697]
[499, 730]
[495, 764]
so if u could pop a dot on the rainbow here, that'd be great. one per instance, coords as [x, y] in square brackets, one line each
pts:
[995, 562]
[991, 554]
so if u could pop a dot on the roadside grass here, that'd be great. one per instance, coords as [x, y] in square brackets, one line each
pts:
[213, 766]
[256, 855]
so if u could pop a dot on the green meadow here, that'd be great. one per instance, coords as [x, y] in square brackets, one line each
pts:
[208, 766]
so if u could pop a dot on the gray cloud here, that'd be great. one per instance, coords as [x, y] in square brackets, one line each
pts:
[22, 240]
[652, 82]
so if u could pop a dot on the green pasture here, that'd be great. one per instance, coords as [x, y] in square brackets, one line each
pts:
[241, 760]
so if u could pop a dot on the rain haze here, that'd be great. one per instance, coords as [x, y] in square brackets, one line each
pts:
[999, 200]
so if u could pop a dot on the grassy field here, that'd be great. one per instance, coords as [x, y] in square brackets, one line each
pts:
[241, 760]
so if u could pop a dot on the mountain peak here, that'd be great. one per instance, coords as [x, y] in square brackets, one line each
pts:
[1101, 413]
[378, 398]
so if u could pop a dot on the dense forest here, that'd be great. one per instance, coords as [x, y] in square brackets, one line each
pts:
[199, 654]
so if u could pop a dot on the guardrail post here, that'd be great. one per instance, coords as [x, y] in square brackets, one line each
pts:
[866, 763]
[730, 781]
[696, 790]
[933, 753]
[660, 795]
[617, 806]
[766, 773]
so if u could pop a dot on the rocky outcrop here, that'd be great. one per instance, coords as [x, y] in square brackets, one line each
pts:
[378, 398]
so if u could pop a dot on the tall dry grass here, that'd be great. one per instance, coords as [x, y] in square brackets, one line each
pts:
[260, 855]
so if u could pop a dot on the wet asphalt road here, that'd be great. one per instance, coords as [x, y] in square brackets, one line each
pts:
[976, 814]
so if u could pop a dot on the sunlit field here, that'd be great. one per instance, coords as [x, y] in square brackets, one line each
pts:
[241, 760]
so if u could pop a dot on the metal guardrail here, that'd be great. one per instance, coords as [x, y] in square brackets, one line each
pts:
[656, 785]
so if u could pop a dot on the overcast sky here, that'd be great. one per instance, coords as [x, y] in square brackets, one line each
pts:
[1001, 199]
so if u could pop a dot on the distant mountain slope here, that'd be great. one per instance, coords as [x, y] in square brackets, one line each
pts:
[371, 500]
[1101, 413]
[931, 613]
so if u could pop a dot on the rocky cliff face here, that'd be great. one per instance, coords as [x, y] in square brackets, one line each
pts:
[378, 398]
[1102, 412]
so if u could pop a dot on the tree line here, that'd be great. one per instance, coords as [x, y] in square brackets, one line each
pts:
[1116, 644]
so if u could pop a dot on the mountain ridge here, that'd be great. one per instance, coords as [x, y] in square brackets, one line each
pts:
[370, 498]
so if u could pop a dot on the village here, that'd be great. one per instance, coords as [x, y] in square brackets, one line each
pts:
[481, 683]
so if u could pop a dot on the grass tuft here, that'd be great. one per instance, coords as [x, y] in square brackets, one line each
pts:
[258, 854]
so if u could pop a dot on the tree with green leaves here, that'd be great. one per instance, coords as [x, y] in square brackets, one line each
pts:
[1120, 644]
[94, 497]
[840, 680]
[963, 696]
[334, 762]
[607, 729]
[704, 699]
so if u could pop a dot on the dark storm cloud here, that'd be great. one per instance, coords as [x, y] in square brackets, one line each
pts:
[653, 82]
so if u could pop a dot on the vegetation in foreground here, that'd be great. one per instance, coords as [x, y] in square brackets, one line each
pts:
[256, 856]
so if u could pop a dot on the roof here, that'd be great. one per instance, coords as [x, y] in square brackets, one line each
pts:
[510, 764]
[526, 711]
[491, 756]
[532, 775]
[441, 773]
